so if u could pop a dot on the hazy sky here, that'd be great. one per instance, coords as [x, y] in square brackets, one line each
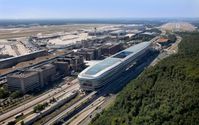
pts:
[18, 9]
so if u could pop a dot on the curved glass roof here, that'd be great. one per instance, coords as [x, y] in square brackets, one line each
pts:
[102, 65]
[118, 57]
[122, 54]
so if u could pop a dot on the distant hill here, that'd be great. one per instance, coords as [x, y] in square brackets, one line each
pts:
[162, 95]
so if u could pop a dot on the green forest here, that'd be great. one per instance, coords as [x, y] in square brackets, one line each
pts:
[166, 94]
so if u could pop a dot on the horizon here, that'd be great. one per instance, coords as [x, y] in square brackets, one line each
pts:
[26, 22]
[113, 18]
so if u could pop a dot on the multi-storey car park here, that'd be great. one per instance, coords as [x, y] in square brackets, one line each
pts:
[103, 72]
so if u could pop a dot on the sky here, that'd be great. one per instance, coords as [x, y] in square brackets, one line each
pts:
[64, 9]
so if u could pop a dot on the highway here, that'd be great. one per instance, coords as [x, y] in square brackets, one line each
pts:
[105, 104]
[28, 107]
[70, 109]
[87, 111]
[50, 108]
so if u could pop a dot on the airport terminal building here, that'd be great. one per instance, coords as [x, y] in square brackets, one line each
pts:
[103, 72]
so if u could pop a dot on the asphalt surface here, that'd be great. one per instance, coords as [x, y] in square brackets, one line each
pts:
[28, 107]
[67, 111]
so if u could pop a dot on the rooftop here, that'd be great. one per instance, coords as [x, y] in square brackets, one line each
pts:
[162, 40]
[102, 65]
[122, 54]
[23, 74]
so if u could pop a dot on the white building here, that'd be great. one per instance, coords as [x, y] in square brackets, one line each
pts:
[103, 72]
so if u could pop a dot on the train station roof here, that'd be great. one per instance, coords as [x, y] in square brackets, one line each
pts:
[115, 59]
[102, 65]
